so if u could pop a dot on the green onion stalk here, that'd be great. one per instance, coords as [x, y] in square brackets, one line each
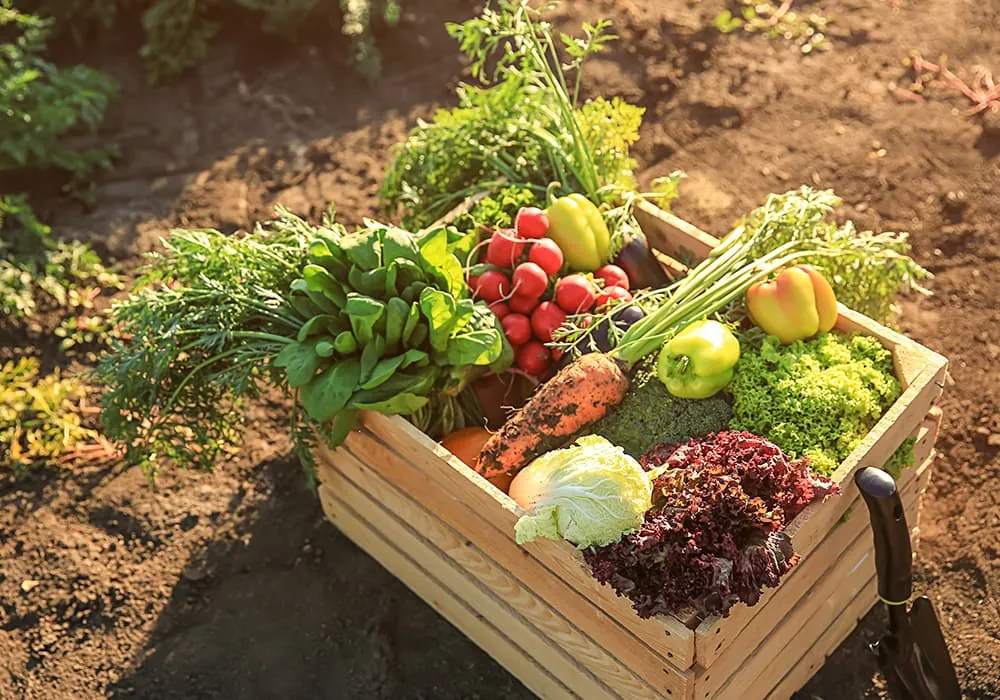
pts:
[724, 276]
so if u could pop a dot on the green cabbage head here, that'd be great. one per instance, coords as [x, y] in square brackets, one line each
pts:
[590, 493]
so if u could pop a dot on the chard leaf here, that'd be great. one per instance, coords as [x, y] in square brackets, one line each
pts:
[329, 392]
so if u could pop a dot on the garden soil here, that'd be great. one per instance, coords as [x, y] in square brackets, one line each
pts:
[232, 585]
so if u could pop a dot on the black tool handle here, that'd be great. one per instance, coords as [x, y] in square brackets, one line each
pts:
[893, 556]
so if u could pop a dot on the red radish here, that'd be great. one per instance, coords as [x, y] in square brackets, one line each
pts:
[546, 254]
[609, 293]
[500, 309]
[534, 358]
[493, 285]
[531, 222]
[522, 305]
[474, 285]
[517, 328]
[529, 280]
[613, 276]
[575, 294]
[557, 354]
[505, 248]
[545, 319]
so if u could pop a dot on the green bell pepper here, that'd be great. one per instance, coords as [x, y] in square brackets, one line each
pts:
[577, 227]
[699, 361]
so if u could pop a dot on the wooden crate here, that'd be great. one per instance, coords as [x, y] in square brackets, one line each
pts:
[448, 534]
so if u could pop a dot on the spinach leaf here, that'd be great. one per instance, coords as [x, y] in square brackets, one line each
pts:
[398, 244]
[327, 394]
[403, 404]
[363, 249]
[474, 348]
[440, 310]
[364, 313]
[439, 264]
[383, 370]
[300, 362]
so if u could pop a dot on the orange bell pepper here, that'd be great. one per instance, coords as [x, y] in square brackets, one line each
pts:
[797, 304]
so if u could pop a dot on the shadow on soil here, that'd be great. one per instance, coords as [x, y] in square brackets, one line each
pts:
[292, 609]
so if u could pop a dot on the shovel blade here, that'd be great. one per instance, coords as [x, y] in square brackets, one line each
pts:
[933, 650]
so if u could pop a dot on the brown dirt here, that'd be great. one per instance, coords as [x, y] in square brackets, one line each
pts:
[231, 585]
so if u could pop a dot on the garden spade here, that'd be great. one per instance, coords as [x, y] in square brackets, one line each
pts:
[913, 654]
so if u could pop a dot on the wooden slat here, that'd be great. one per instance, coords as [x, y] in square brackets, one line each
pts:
[840, 625]
[848, 547]
[506, 652]
[466, 519]
[714, 634]
[671, 234]
[666, 635]
[515, 610]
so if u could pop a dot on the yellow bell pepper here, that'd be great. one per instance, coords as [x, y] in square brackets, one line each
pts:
[797, 304]
[578, 228]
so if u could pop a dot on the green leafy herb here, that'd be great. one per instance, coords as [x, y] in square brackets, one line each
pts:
[527, 128]
[201, 331]
[869, 271]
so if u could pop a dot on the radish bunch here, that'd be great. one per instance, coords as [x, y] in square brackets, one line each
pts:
[520, 281]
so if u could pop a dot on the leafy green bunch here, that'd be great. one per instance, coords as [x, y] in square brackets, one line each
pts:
[526, 126]
[387, 324]
[869, 270]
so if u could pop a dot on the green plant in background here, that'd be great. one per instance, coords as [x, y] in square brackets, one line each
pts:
[776, 22]
[179, 33]
[40, 103]
[526, 127]
[39, 416]
[870, 269]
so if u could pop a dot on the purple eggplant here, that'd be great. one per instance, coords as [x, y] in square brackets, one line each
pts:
[642, 268]
[599, 339]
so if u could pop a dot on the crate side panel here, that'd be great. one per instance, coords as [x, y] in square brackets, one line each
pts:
[469, 621]
[401, 518]
[456, 513]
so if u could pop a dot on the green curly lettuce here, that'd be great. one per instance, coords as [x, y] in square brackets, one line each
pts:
[816, 399]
